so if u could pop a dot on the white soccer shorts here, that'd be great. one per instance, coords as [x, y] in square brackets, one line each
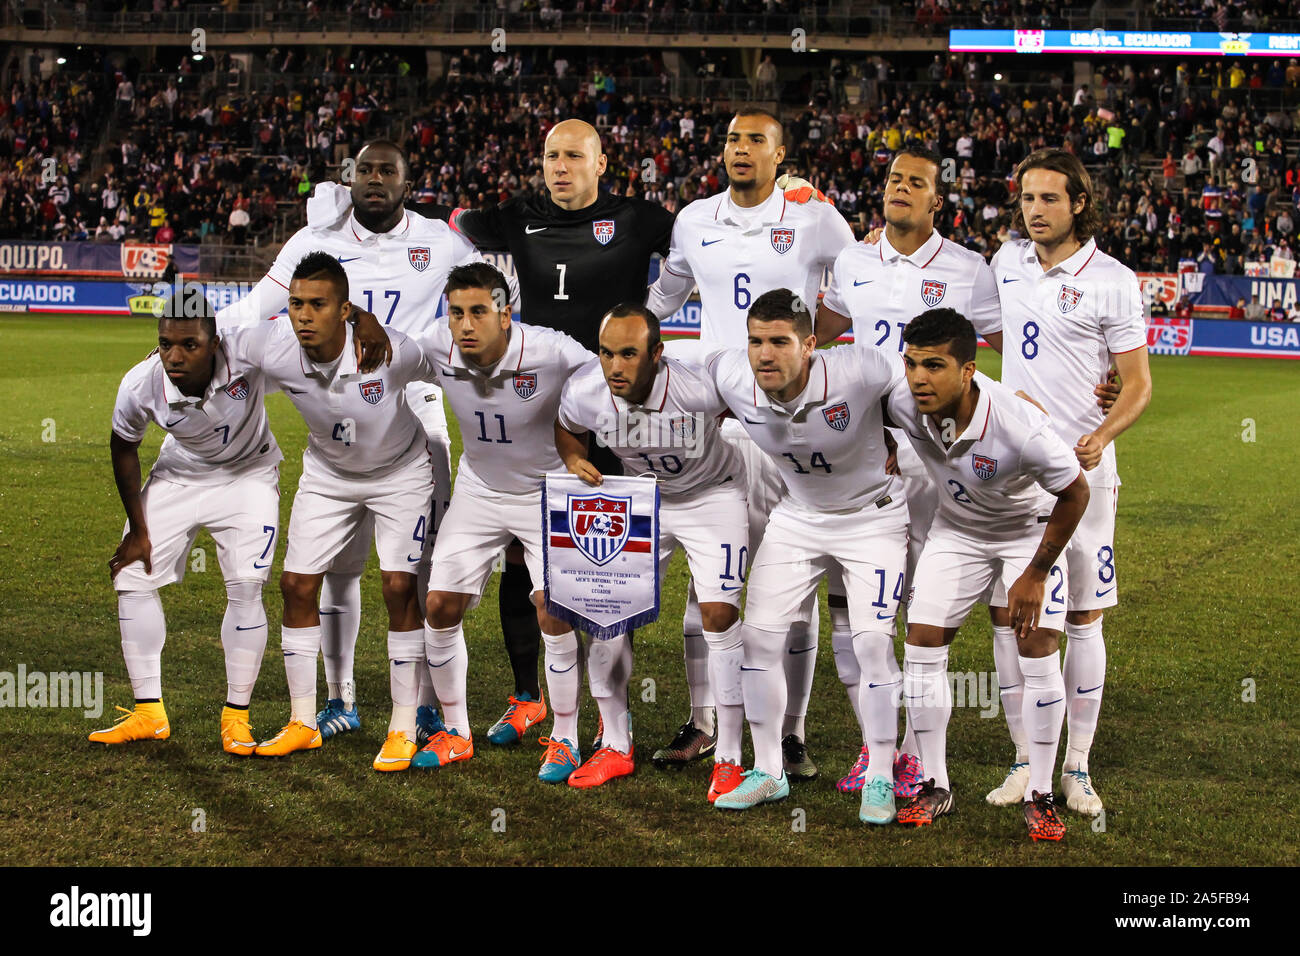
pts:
[243, 518]
[764, 486]
[957, 570]
[477, 526]
[869, 544]
[711, 528]
[922, 500]
[1091, 553]
[329, 511]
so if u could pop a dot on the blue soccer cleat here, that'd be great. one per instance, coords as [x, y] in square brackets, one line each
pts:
[757, 787]
[427, 723]
[559, 761]
[878, 802]
[335, 719]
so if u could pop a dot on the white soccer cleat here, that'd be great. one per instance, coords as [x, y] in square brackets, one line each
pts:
[1076, 787]
[1012, 791]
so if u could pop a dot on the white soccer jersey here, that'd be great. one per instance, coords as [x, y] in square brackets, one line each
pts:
[209, 439]
[882, 290]
[1060, 328]
[734, 255]
[507, 413]
[829, 445]
[992, 480]
[359, 423]
[674, 436]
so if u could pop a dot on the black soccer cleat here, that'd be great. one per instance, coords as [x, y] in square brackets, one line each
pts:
[689, 744]
[794, 754]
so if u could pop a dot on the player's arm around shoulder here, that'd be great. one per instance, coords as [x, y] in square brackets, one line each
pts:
[571, 433]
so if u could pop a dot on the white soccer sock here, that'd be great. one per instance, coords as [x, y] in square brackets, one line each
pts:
[144, 631]
[405, 661]
[300, 646]
[424, 696]
[448, 661]
[878, 694]
[846, 665]
[340, 621]
[726, 654]
[563, 683]
[763, 681]
[908, 744]
[800, 665]
[1011, 686]
[609, 665]
[1044, 710]
[929, 704]
[1085, 670]
[697, 680]
[243, 637]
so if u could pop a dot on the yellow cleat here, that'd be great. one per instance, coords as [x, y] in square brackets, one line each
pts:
[146, 722]
[236, 732]
[396, 753]
[296, 736]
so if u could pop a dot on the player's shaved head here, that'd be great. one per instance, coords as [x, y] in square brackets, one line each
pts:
[381, 185]
[386, 148]
[573, 163]
[778, 129]
[630, 351]
[571, 129]
[644, 319]
[188, 304]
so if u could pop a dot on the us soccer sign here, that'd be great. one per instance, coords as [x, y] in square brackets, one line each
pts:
[782, 239]
[603, 230]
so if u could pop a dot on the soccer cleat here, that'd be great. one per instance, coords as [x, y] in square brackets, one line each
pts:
[755, 787]
[559, 761]
[1076, 787]
[908, 774]
[444, 747]
[296, 736]
[337, 719]
[689, 744]
[1040, 814]
[1012, 790]
[725, 778]
[396, 753]
[427, 723]
[794, 754]
[929, 802]
[878, 802]
[857, 775]
[601, 767]
[145, 722]
[521, 713]
[236, 732]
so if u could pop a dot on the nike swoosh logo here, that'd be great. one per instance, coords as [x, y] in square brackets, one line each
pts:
[884, 617]
[734, 587]
[917, 697]
[177, 422]
[709, 242]
[413, 559]
[802, 650]
[288, 653]
[259, 567]
[566, 670]
[399, 663]
[453, 754]
[329, 613]
[1008, 687]
[1005, 280]
[350, 259]
[890, 684]
[744, 668]
[1105, 592]
[1059, 610]
[443, 664]
[253, 628]
[159, 731]
[296, 391]
[529, 230]
[752, 422]
[1080, 690]
[856, 283]
[1050, 702]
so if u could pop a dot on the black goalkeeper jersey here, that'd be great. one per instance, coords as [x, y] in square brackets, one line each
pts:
[572, 266]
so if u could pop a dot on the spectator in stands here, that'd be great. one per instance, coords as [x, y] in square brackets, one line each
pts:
[1207, 263]
[765, 79]
[238, 223]
[1170, 170]
[1277, 313]
[1191, 168]
[1256, 312]
[1184, 308]
[1238, 310]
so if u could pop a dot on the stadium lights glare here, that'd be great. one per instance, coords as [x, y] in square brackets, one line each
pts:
[197, 56]
[997, 77]
[61, 60]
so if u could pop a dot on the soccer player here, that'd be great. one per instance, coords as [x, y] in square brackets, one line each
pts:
[218, 468]
[659, 416]
[397, 266]
[1068, 311]
[366, 454]
[818, 415]
[999, 463]
[503, 381]
[734, 247]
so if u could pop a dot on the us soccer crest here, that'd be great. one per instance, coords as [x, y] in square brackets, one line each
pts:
[837, 416]
[373, 391]
[1069, 298]
[603, 230]
[420, 256]
[682, 427]
[984, 467]
[238, 389]
[525, 384]
[932, 291]
[598, 525]
[782, 239]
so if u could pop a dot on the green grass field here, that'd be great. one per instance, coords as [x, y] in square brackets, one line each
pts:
[1209, 540]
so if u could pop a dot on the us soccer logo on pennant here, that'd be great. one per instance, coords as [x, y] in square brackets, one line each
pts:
[984, 467]
[598, 525]
[603, 230]
[373, 391]
[1069, 298]
[238, 389]
[420, 257]
[837, 416]
[782, 239]
[932, 291]
[525, 384]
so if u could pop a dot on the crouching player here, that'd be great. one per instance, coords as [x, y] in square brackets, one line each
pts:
[1013, 493]
[660, 417]
[218, 468]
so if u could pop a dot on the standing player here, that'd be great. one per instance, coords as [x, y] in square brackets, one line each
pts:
[818, 414]
[1068, 311]
[1001, 463]
[218, 468]
[660, 416]
[735, 246]
[503, 381]
[366, 454]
